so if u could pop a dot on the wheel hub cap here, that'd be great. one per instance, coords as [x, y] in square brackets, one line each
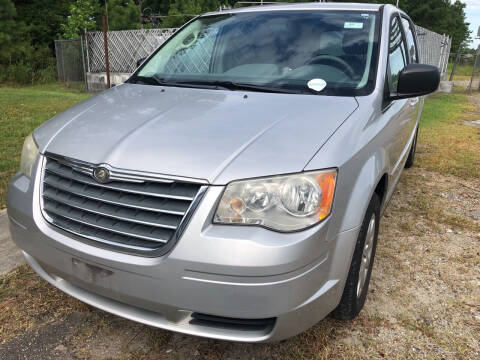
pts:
[366, 256]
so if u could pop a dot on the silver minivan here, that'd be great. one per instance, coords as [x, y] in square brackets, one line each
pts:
[232, 188]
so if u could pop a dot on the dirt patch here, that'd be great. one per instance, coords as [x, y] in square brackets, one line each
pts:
[46, 342]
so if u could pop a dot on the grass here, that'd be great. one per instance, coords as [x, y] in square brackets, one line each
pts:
[27, 303]
[446, 145]
[22, 109]
[460, 69]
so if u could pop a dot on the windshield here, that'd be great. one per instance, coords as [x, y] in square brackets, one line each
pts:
[314, 52]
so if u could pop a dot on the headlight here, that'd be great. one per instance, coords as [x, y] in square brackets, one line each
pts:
[29, 154]
[282, 203]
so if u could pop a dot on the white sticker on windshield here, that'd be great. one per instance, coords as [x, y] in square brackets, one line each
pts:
[353, 25]
[317, 84]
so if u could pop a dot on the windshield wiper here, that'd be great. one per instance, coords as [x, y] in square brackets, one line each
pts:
[158, 81]
[149, 80]
[231, 85]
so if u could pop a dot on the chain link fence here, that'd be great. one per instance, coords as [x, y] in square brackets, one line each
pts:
[70, 62]
[464, 69]
[434, 49]
[474, 83]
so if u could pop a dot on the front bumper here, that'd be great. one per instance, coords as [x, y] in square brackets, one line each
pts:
[226, 271]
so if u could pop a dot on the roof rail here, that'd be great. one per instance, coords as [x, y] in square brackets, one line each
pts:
[254, 3]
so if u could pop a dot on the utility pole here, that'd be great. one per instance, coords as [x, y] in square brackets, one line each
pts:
[106, 12]
[141, 13]
[105, 45]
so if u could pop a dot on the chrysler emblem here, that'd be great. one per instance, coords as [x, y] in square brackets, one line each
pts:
[101, 174]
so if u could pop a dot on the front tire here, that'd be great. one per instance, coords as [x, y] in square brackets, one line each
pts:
[356, 286]
[411, 154]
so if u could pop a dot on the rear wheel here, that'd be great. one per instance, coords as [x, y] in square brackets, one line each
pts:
[356, 287]
[411, 154]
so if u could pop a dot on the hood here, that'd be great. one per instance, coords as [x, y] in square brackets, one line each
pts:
[213, 135]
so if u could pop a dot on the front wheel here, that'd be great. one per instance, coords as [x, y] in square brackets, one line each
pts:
[356, 286]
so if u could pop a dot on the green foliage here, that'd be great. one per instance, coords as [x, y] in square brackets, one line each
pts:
[44, 19]
[156, 6]
[123, 15]
[13, 45]
[24, 58]
[81, 17]
[189, 7]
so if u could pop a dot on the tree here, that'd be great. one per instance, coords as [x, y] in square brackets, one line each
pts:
[182, 11]
[13, 44]
[81, 17]
[44, 19]
[123, 15]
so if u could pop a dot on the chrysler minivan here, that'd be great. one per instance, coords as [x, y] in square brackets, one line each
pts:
[233, 187]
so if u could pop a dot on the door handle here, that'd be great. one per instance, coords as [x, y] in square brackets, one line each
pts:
[414, 101]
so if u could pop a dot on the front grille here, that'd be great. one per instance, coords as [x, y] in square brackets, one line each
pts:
[131, 212]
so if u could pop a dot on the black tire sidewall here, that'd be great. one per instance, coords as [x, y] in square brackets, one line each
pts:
[351, 304]
[411, 154]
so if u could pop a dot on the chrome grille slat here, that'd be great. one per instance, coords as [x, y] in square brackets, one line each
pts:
[100, 236]
[93, 208]
[138, 214]
[109, 197]
[157, 190]
[105, 226]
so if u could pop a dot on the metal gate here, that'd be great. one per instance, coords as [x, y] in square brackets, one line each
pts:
[70, 62]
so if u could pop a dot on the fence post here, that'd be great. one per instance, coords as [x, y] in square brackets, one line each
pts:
[446, 55]
[83, 63]
[57, 55]
[105, 42]
[86, 49]
[473, 74]
[457, 60]
[440, 60]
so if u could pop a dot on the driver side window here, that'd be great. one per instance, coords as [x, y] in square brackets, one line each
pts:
[397, 54]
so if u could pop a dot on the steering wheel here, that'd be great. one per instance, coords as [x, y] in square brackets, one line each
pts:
[184, 45]
[335, 61]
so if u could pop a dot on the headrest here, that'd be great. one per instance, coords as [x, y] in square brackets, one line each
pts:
[355, 42]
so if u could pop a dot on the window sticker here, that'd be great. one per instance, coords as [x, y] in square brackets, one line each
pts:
[317, 84]
[353, 25]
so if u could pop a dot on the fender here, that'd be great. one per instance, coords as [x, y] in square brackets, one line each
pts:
[342, 249]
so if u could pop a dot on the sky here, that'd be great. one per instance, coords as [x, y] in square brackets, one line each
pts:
[473, 17]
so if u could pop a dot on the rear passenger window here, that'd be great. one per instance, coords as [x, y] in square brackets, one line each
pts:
[397, 58]
[409, 31]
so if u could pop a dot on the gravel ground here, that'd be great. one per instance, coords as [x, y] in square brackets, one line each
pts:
[9, 253]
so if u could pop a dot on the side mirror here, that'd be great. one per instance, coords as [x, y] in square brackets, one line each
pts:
[140, 61]
[417, 80]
